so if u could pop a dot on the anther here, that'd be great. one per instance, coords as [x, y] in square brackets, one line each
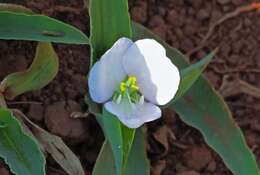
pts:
[123, 87]
[132, 79]
[134, 87]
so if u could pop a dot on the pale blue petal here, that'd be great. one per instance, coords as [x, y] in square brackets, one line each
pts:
[157, 77]
[106, 74]
[134, 115]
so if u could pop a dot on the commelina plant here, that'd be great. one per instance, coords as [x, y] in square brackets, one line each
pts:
[132, 79]
[136, 80]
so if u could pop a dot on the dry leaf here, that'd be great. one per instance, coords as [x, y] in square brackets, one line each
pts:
[234, 86]
[158, 167]
[55, 147]
[163, 135]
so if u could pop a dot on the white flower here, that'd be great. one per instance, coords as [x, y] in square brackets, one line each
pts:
[132, 78]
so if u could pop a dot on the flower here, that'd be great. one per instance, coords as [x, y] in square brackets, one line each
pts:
[132, 78]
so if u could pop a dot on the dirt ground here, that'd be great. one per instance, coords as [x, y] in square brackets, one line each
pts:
[173, 147]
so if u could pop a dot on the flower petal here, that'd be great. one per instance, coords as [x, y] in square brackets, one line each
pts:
[134, 115]
[107, 74]
[157, 77]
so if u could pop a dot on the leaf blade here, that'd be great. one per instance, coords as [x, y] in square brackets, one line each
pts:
[46, 29]
[119, 137]
[138, 163]
[42, 71]
[105, 163]
[190, 74]
[18, 149]
[106, 25]
[113, 133]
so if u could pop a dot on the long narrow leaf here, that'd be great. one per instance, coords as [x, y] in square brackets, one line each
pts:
[191, 74]
[109, 21]
[19, 150]
[20, 26]
[43, 69]
[112, 131]
[138, 163]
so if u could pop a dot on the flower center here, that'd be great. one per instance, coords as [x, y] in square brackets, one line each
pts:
[129, 90]
[130, 85]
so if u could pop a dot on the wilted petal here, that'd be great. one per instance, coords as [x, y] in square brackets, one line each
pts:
[106, 75]
[157, 77]
[134, 115]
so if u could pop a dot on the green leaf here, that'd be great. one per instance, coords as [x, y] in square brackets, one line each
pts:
[18, 149]
[128, 135]
[203, 108]
[105, 163]
[119, 137]
[191, 74]
[109, 21]
[138, 163]
[43, 69]
[112, 131]
[20, 26]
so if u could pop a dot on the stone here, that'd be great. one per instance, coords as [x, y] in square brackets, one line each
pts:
[139, 13]
[197, 158]
[189, 173]
[203, 14]
[36, 112]
[223, 2]
[59, 122]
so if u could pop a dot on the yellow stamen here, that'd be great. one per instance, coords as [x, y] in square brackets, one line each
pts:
[130, 83]
[132, 80]
[123, 87]
[128, 89]
[134, 87]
